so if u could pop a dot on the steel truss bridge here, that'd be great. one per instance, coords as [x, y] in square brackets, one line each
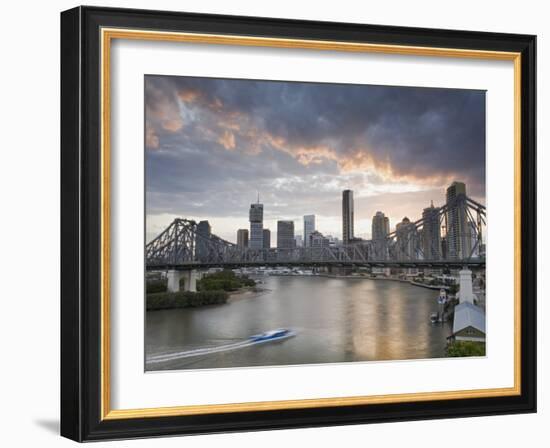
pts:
[415, 244]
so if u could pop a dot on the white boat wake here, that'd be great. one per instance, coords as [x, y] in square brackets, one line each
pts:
[253, 340]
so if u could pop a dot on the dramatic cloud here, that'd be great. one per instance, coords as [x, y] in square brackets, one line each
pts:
[212, 144]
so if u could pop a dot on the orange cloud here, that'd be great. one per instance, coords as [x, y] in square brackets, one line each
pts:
[216, 104]
[189, 95]
[227, 140]
[151, 138]
[172, 125]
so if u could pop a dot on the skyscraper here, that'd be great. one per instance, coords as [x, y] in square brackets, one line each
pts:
[299, 241]
[458, 230]
[285, 234]
[267, 239]
[380, 231]
[242, 238]
[380, 226]
[204, 232]
[347, 216]
[309, 227]
[406, 235]
[431, 235]
[256, 218]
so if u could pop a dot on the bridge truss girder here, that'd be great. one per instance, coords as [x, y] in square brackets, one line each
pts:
[181, 245]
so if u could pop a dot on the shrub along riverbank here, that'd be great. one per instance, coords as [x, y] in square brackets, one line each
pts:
[184, 299]
[212, 289]
[224, 280]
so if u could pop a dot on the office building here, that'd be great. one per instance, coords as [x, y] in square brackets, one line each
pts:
[431, 233]
[309, 227]
[285, 234]
[380, 232]
[406, 236]
[333, 241]
[267, 239]
[242, 238]
[204, 231]
[347, 216]
[458, 231]
[256, 218]
[299, 241]
[380, 226]
[318, 240]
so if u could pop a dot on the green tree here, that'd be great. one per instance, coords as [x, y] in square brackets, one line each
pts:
[224, 280]
[459, 349]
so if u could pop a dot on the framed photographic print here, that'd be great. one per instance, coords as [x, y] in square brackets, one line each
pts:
[273, 223]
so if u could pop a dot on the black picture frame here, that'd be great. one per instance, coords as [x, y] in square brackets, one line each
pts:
[81, 224]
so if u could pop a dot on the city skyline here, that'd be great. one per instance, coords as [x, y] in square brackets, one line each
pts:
[434, 234]
[212, 144]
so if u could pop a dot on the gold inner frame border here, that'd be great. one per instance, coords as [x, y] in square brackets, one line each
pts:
[107, 35]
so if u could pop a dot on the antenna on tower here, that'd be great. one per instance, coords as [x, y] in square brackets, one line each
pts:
[258, 197]
[432, 203]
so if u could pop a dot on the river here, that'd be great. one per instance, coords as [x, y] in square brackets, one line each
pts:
[334, 320]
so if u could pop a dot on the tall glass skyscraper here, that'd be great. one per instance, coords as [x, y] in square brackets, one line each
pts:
[309, 228]
[267, 239]
[406, 239]
[459, 243]
[204, 231]
[347, 216]
[242, 238]
[431, 233]
[285, 235]
[380, 226]
[256, 218]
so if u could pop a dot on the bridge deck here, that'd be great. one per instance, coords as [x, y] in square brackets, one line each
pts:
[456, 264]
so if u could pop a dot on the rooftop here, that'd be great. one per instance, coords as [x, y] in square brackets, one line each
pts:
[468, 315]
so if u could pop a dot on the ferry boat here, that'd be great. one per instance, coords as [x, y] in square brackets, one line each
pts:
[273, 335]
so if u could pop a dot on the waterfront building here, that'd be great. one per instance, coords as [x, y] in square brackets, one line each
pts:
[285, 234]
[469, 323]
[309, 227]
[242, 238]
[256, 218]
[204, 232]
[299, 241]
[431, 233]
[347, 216]
[459, 242]
[267, 239]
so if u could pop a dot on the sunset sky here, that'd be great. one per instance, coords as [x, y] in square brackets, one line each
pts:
[212, 144]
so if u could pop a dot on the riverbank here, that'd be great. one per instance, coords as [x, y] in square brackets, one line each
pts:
[247, 292]
[364, 277]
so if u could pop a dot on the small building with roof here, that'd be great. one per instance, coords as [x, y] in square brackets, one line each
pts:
[469, 323]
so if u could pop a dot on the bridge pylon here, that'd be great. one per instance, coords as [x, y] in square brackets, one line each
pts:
[189, 280]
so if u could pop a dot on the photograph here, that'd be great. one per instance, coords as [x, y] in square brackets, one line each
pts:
[291, 223]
